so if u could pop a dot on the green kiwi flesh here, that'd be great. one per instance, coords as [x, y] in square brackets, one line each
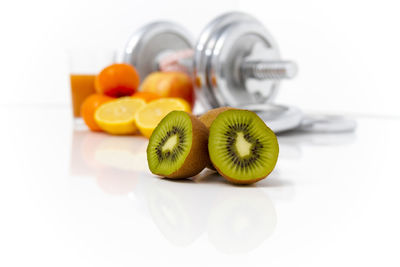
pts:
[241, 146]
[178, 146]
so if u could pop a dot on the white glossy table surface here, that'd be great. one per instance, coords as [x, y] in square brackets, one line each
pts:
[75, 198]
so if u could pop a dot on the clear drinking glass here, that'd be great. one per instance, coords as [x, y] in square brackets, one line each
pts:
[85, 64]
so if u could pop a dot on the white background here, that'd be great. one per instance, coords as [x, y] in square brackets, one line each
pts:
[348, 51]
[71, 197]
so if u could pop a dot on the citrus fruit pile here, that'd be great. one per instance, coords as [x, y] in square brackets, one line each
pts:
[118, 107]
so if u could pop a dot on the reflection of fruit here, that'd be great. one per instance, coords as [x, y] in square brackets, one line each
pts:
[88, 147]
[178, 146]
[177, 209]
[79, 166]
[170, 84]
[123, 153]
[115, 181]
[118, 116]
[208, 117]
[148, 117]
[241, 147]
[117, 80]
[242, 218]
[146, 96]
[89, 107]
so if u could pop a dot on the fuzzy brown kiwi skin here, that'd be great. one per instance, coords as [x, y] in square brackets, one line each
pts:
[208, 117]
[198, 157]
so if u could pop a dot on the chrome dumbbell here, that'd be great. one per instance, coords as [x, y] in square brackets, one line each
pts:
[235, 61]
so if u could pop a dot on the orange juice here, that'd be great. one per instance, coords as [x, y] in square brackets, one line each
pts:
[81, 87]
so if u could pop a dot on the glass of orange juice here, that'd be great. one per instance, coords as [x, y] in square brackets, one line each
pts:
[85, 64]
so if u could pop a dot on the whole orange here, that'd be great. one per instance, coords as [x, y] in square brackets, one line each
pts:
[117, 80]
[89, 107]
[170, 84]
[147, 96]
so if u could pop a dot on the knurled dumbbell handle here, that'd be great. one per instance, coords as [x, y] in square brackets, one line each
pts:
[269, 70]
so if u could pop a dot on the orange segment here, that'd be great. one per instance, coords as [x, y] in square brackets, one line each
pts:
[118, 116]
[89, 107]
[148, 117]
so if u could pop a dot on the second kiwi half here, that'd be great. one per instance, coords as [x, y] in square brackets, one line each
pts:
[241, 146]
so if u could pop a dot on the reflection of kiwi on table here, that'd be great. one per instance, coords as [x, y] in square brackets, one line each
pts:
[237, 219]
[177, 210]
[241, 220]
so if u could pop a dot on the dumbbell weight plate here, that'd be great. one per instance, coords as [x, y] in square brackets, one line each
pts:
[145, 47]
[224, 45]
[278, 117]
[204, 45]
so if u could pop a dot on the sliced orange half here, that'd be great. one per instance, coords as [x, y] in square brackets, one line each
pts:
[118, 116]
[148, 117]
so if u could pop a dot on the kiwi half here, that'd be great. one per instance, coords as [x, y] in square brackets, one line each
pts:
[178, 146]
[241, 146]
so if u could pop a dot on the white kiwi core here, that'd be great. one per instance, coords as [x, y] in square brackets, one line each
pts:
[170, 144]
[242, 146]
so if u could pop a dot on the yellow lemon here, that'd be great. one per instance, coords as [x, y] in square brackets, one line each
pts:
[118, 116]
[148, 117]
